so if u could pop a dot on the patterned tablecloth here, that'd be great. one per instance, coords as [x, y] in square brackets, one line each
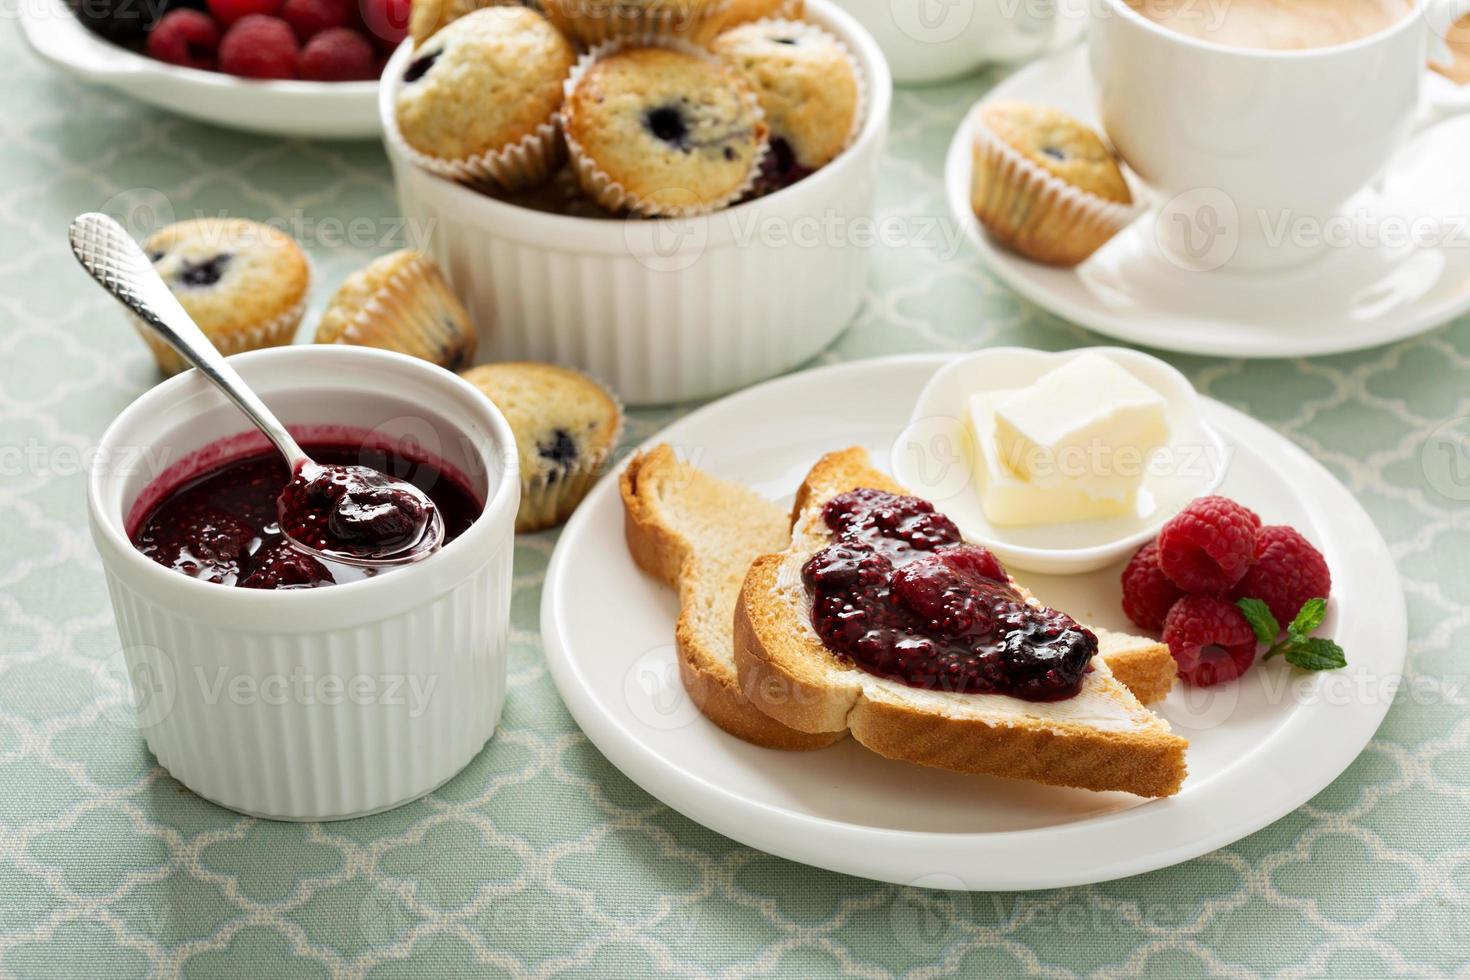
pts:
[541, 859]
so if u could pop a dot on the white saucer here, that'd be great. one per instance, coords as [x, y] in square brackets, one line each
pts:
[1348, 299]
[1259, 748]
[318, 110]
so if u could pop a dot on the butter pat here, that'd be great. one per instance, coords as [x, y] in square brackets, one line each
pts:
[1089, 425]
[1007, 499]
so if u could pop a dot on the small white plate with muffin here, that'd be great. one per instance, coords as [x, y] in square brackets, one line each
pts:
[1317, 238]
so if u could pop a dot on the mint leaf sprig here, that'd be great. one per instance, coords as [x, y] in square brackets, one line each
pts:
[1298, 646]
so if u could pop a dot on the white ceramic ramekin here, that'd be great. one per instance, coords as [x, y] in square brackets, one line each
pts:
[326, 703]
[671, 309]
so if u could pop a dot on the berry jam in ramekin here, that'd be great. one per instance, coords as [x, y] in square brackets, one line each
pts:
[219, 523]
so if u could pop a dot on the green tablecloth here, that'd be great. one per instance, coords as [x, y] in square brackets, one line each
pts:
[541, 859]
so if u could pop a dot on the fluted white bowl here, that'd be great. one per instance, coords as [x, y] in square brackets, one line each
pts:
[324, 703]
[671, 309]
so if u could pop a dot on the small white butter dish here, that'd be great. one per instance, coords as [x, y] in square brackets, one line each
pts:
[936, 457]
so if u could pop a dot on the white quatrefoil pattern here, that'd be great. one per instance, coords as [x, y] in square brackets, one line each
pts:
[541, 860]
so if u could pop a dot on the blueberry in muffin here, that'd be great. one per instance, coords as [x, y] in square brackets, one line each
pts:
[244, 283]
[566, 426]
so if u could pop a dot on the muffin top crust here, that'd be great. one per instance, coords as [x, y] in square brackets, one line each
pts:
[805, 81]
[484, 82]
[1059, 144]
[230, 274]
[675, 129]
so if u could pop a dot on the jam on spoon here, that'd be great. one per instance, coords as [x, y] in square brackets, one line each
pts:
[219, 521]
[347, 513]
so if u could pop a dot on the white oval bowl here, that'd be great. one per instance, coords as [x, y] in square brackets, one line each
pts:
[318, 110]
[672, 309]
[406, 671]
[934, 458]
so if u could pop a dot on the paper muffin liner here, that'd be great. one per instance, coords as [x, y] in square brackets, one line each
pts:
[595, 28]
[518, 166]
[614, 196]
[411, 313]
[1034, 211]
[278, 331]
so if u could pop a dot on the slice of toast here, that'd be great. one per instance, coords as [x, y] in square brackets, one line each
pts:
[699, 535]
[1101, 739]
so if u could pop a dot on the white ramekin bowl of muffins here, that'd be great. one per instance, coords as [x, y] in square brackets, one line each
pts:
[327, 702]
[662, 309]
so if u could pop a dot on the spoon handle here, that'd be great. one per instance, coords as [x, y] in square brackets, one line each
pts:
[111, 257]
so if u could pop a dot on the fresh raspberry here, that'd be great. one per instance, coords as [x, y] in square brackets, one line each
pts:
[259, 47]
[283, 567]
[185, 37]
[337, 55]
[1207, 547]
[1148, 594]
[309, 18]
[1287, 572]
[1210, 640]
[386, 21]
[229, 12]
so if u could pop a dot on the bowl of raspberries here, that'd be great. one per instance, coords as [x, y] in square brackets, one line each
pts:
[286, 67]
[1225, 590]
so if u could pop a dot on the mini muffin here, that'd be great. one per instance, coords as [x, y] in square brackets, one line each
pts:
[427, 17]
[566, 427]
[662, 131]
[401, 302]
[1044, 184]
[744, 11]
[478, 103]
[244, 283]
[594, 22]
[807, 86]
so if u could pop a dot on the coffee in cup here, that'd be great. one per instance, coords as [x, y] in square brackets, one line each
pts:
[1275, 25]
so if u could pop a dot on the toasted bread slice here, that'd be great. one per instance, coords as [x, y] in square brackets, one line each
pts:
[699, 535]
[1101, 739]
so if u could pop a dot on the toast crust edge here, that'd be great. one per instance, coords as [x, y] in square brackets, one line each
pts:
[666, 554]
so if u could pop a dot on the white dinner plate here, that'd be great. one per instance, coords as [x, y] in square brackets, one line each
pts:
[1259, 747]
[1349, 298]
[317, 110]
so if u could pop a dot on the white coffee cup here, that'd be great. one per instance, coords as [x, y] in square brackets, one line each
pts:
[1236, 144]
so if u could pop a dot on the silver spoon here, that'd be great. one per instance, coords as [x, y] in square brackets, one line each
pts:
[111, 257]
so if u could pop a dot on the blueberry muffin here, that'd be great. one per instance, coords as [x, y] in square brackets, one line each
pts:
[401, 302]
[744, 11]
[662, 131]
[244, 283]
[427, 17]
[1044, 184]
[478, 102]
[807, 86]
[566, 427]
[594, 22]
